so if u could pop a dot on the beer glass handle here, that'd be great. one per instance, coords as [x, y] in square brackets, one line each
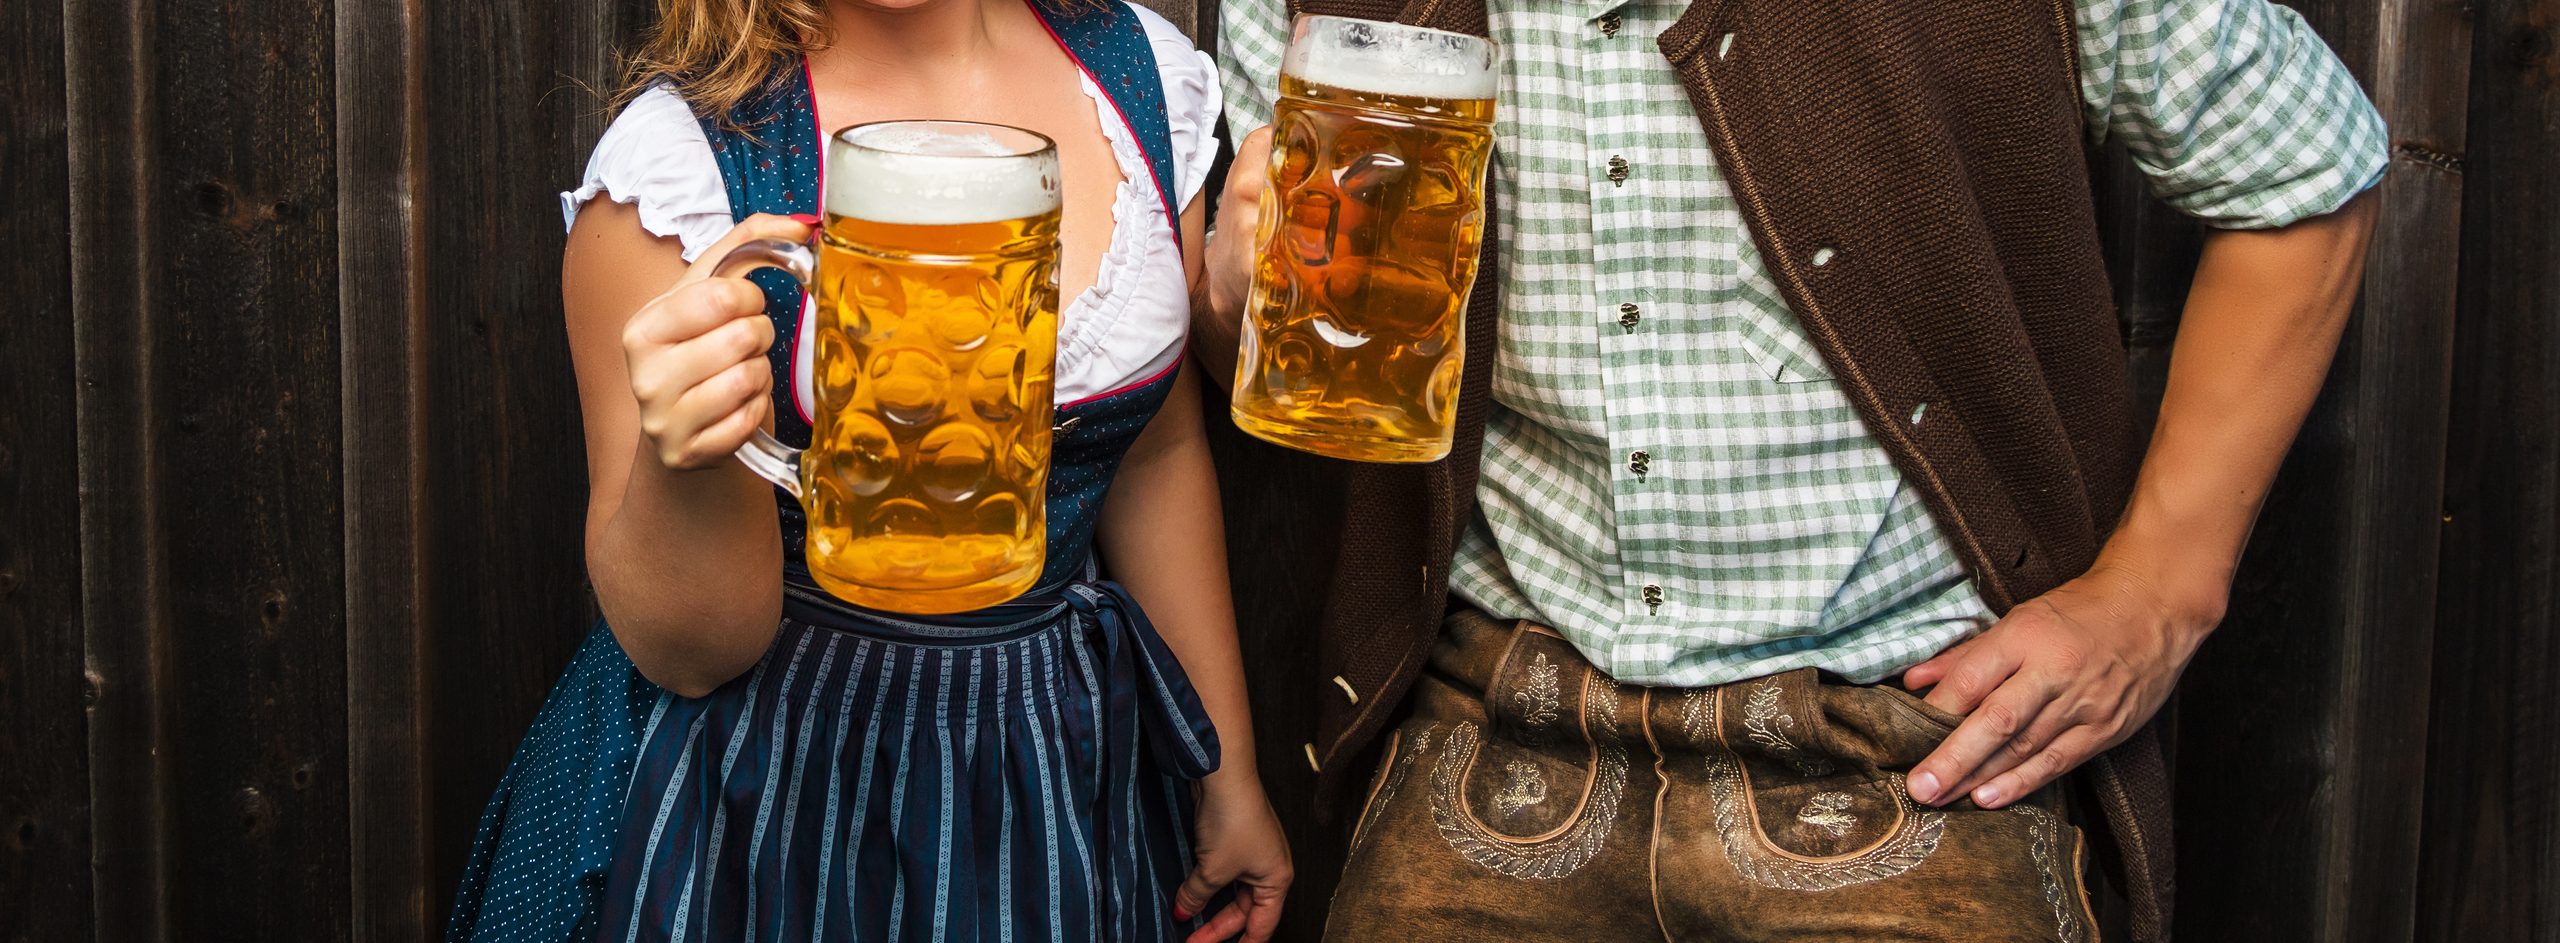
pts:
[763, 454]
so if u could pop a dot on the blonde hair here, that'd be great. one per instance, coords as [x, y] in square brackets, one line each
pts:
[718, 52]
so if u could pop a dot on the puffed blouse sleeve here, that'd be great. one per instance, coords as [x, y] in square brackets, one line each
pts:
[655, 157]
[1190, 103]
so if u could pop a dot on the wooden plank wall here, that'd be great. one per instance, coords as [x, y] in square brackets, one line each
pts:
[289, 470]
[45, 836]
[2489, 865]
[290, 483]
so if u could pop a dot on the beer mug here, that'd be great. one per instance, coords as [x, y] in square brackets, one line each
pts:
[1355, 331]
[936, 307]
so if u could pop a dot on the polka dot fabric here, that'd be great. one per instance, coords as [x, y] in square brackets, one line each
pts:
[539, 859]
[601, 793]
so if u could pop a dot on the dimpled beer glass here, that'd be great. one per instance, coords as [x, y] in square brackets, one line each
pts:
[1355, 330]
[936, 334]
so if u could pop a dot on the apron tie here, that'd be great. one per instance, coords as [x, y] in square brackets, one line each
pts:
[1147, 704]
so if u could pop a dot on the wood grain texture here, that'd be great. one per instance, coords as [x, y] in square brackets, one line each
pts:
[243, 364]
[2418, 75]
[125, 627]
[44, 774]
[2490, 864]
[501, 467]
[380, 135]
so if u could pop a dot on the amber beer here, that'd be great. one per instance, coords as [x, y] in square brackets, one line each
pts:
[1355, 330]
[936, 335]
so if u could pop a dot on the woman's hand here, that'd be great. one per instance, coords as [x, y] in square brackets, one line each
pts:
[1239, 843]
[696, 356]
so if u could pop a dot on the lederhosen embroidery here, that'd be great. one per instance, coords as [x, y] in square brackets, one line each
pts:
[1562, 851]
[2044, 832]
[1910, 839]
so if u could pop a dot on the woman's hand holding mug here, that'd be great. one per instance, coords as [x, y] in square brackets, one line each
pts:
[696, 355]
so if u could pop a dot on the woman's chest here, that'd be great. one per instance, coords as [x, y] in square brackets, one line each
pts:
[1049, 100]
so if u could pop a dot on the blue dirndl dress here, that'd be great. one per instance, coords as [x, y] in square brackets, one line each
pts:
[1021, 772]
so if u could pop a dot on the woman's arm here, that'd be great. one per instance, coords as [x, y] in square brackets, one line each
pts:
[1165, 538]
[682, 543]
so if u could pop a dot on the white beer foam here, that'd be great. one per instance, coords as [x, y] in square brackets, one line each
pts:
[923, 175]
[1384, 59]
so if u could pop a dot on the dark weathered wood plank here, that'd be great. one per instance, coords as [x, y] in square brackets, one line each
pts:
[44, 773]
[2490, 867]
[239, 360]
[380, 200]
[501, 471]
[2403, 336]
[125, 636]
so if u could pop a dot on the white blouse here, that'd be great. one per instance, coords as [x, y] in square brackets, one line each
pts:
[1125, 329]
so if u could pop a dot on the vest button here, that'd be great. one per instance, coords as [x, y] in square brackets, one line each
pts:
[1652, 595]
[1640, 462]
[1628, 316]
[1608, 24]
[1617, 170]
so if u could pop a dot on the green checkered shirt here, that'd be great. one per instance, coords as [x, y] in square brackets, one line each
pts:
[1766, 530]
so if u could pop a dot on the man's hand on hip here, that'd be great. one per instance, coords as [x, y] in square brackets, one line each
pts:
[2066, 675]
[2059, 680]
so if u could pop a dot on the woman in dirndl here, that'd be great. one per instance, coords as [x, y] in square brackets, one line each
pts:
[736, 754]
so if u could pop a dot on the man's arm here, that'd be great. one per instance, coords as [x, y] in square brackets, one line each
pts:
[2238, 115]
[2068, 674]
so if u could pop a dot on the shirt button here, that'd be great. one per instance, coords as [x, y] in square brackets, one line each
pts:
[1617, 170]
[1628, 316]
[1640, 462]
[1653, 598]
[1608, 25]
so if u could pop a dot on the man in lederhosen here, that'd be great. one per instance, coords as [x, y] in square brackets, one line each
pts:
[1792, 386]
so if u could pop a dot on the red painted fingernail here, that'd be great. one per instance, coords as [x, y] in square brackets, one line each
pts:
[805, 219]
[1181, 914]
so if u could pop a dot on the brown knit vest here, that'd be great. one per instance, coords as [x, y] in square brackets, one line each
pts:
[1915, 177]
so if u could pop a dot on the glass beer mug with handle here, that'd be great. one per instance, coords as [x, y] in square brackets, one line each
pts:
[936, 291]
[1355, 330]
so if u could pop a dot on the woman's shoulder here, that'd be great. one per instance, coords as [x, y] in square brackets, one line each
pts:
[1191, 98]
[1176, 53]
[655, 156]
[1160, 31]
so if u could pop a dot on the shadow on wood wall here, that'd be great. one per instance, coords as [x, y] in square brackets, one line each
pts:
[290, 484]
